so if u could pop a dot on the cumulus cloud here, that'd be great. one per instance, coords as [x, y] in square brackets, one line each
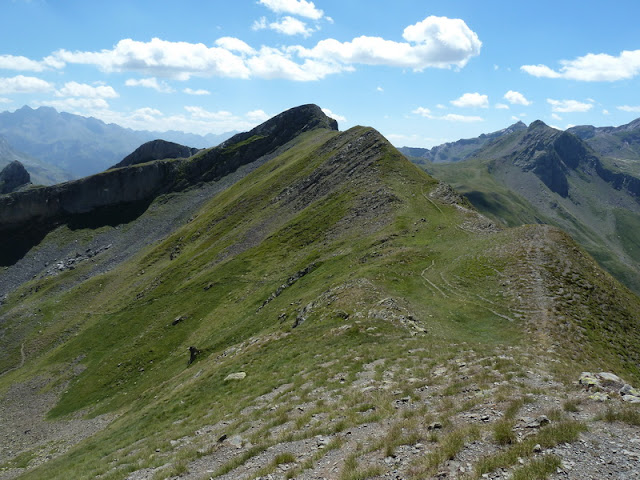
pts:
[286, 26]
[450, 117]
[471, 100]
[599, 67]
[152, 83]
[22, 84]
[423, 112]
[335, 116]
[502, 106]
[162, 58]
[568, 106]
[628, 108]
[200, 91]
[516, 98]
[5, 100]
[435, 42]
[235, 45]
[379, 89]
[13, 62]
[301, 8]
[75, 89]
[556, 117]
[258, 116]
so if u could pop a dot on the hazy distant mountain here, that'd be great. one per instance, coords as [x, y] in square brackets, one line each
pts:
[82, 145]
[461, 149]
[41, 173]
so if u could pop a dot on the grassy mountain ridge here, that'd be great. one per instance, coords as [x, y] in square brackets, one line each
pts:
[338, 277]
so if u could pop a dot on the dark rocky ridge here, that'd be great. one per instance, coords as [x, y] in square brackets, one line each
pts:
[119, 195]
[156, 150]
[13, 176]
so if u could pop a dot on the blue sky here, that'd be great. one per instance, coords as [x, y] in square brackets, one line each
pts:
[421, 72]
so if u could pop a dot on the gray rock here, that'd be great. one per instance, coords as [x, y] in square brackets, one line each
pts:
[235, 376]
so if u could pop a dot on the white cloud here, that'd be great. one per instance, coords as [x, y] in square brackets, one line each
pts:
[471, 100]
[22, 84]
[286, 26]
[450, 117]
[401, 139]
[335, 116]
[5, 100]
[606, 112]
[75, 89]
[599, 67]
[379, 89]
[235, 45]
[195, 120]
[424, 112]
[11, 62]
[555, 116]
[162, 58]
[441, 106]
[513, 117]
[568, 106]
[152, 82]
[201, 113]
[436, 42]
[258, 116]
[301, 8]
[629, 108]
[516, 98]
[199, 91]
[502, 106]
[76, 105]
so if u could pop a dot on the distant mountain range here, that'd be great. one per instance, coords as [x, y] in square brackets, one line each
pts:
[459, 150]
[71, 146]
[584, 180]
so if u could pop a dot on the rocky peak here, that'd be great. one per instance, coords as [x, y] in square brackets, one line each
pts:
[286, 125]
[13, 176]
[156, 150]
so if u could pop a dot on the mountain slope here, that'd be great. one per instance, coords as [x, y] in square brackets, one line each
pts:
[80, 145]
[459, 150]
[543, 175]
[342, 303]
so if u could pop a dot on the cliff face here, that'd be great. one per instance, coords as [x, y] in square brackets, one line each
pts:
[13, 176]
[144, 182]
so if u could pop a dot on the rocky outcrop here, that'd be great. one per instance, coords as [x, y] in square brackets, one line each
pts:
[156, 150]
[13, 176]
[143, 182]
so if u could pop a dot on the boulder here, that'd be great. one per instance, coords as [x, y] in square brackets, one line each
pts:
[235, 376]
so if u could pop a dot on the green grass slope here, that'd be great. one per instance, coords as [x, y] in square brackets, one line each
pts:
[334, 259]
